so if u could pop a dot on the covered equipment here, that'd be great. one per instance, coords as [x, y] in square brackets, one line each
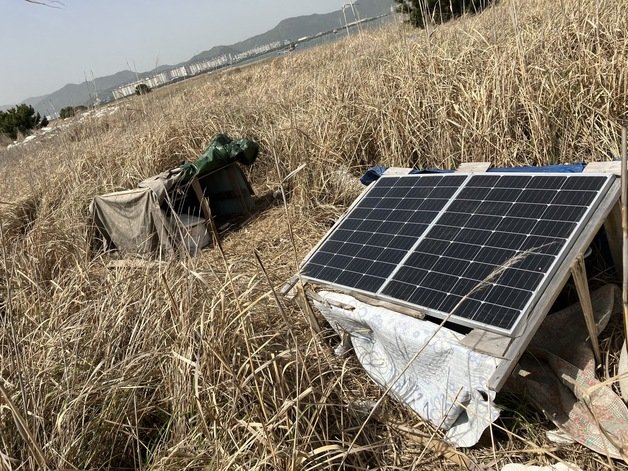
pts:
[162, 217]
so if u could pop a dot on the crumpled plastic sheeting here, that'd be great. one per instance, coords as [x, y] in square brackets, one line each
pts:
[557, 374]
[445, 384]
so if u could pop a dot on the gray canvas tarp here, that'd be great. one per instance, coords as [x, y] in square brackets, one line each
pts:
[150, 220]
[145, 221]
[133, 221]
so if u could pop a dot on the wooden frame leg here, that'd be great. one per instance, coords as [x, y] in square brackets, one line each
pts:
[613, 229]
[207, 212]
[579, 274]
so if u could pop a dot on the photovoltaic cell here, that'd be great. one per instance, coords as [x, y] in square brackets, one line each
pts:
[477, 248]
[378, 232]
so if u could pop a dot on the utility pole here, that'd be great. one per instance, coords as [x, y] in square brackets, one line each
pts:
[344, 7]
[356, 14]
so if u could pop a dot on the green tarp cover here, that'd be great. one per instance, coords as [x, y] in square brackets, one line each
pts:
[221, 151]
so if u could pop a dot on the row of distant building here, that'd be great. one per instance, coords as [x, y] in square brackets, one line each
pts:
[182, 72]
[199, 67]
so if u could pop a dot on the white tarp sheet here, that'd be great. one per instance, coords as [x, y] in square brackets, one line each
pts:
[446, 383]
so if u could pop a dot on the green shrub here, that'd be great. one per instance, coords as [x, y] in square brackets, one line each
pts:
[67, 112]
[70, 111]
[20, 119]
[422, 12]
[142, 89]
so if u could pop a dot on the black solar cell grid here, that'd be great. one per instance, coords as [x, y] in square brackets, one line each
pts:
[480, 245]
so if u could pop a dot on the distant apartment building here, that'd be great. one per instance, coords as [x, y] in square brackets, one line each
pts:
[259, 50]
[125, 90]
[157, 80]
[179, 72]
[205, 66]
[199, 67]
[163, 78]
[153, 82]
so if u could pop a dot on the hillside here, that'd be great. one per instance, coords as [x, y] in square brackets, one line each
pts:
[214, 52]
[81, 94]
[198, 363]
[288, 29]
[309, 25]
[29, 101]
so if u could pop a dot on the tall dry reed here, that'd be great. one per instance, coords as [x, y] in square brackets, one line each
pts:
[194, 364]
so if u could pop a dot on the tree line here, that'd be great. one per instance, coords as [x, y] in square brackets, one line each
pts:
[20, 119]
[425, 12]
[70, 111]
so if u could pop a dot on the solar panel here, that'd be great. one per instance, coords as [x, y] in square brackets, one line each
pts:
[476, 249]
[379, 230]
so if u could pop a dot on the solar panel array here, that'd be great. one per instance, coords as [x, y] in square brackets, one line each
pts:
[478, 248]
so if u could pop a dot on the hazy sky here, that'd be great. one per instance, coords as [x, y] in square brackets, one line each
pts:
[45, 48]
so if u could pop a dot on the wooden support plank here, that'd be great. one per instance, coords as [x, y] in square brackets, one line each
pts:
[288, 290]
[415, 313]
[397, 171]
[135, 263]
[579, 274]
[519, 344]
[473, 167]
[623, 359]
[482, 341]
[613, 167]
[490, 343]
[614, 235]
[314, 296]
[612, 225]
[304, 303]
[207, 212]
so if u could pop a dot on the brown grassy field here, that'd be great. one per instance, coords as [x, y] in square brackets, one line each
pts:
[194, 364]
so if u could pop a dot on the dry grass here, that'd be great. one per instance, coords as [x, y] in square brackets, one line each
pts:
[193, 364]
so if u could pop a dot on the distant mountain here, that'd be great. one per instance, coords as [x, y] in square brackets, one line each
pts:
[309, 25]
[300, 26]
[28, 101]
[81, 94]
[289, 29]
[85, 93]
